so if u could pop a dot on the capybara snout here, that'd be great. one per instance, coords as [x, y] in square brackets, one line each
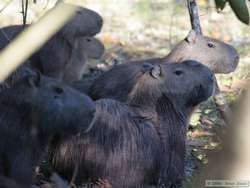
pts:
[189, 78]
[55, 103]
[74, 110]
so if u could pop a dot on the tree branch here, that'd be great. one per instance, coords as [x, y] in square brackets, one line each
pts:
[194, 16]
[24, 11]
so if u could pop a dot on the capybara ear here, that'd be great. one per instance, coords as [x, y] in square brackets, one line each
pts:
[34, 80]
[191, 37]
[153, 70]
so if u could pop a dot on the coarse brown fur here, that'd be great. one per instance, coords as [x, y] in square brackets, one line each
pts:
[142, 141]
[34, 110]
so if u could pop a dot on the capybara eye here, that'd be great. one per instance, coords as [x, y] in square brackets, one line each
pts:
[210, 45]
[58, 90]
[178, 72]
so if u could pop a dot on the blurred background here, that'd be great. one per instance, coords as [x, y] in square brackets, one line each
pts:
[139, 29]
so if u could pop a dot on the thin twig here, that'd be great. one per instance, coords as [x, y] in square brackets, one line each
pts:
[24, 11]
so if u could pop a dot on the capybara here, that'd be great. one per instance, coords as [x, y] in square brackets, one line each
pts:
[56, 54]
[22, 71]
[8, 183]
[215, 54]
[86, 48]
[140, 141]
[34, 110]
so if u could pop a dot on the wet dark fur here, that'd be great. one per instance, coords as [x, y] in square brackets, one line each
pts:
[22, 71]
[8, 183]
[118, 139]
[33, 111]
[141, 142]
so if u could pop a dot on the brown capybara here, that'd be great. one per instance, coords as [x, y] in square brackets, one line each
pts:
[34, 110]
[86, 48]
[56, 54]
[215, 54]
[141, 141]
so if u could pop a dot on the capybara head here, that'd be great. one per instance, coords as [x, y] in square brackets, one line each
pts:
[86, 22]
[54, 107]
[215, 54]
[85, 48]
[92, 47]
[187, 83]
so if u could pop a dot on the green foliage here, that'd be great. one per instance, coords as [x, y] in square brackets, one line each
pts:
[240, 9]
[238, 6]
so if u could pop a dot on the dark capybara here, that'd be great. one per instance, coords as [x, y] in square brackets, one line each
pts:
[217, 55]
[142, 141]
[86, 48]
[55, 55]
[31, 112]
[22, 71]
[8, 183]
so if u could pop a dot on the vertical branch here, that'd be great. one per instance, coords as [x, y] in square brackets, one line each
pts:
[194, 16]
[24, 11]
